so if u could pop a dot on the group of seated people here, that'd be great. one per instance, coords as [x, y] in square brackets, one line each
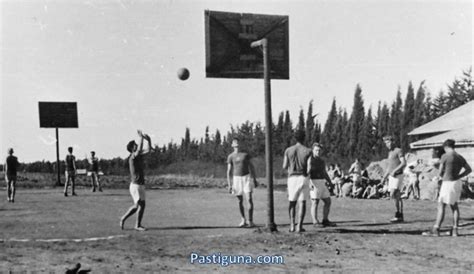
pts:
[357, 183]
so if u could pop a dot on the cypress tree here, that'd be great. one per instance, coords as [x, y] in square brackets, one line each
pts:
[356, 121]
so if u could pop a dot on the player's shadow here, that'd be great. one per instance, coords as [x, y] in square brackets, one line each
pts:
[416, 232]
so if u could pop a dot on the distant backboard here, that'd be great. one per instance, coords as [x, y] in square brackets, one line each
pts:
[228, 39]
[58, 114]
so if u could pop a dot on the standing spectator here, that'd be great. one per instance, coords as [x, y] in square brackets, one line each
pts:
[11, 166]
[70, 172]
[94, 171]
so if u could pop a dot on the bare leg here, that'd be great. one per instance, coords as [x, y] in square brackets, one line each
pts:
[394, 196]
[66, 185]
[455, 210]
[241, 209]
[9, 189]
[291, 212]
[13, 190]
[440, 215]
[73, 185]
[326, 208]
[129, 213]
[250, 201]
[302, 212]
[98, 182]
[314, 210]
[141, 211]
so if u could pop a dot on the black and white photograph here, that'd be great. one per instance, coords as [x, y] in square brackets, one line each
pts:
[242, 136]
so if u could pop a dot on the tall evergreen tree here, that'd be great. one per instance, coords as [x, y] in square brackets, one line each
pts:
[407, 117]
[301, 123]
[287, 131]
[327, 134]
[310, 124]
[420, 108]
[356, 121]
[396, 115]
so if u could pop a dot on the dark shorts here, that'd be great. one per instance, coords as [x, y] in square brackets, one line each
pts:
[70, 174]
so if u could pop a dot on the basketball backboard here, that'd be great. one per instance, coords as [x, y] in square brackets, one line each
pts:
[228, 39]
[58, 114]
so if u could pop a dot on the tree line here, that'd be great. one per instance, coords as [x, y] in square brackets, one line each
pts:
[344, 136]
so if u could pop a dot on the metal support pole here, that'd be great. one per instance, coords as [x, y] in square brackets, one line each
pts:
[58, 167]
[271, 226]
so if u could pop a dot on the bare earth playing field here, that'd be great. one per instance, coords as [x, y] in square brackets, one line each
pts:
[203, 220]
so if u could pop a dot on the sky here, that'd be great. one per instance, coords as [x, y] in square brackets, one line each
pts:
[118, 60]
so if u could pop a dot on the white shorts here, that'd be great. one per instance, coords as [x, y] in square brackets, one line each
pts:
[298, 188]
[395, 183]
[318, 189]
[356, 178]
[450, 192]
[241, 185]
[138, 192]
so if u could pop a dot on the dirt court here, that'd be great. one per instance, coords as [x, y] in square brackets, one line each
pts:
[45, 231]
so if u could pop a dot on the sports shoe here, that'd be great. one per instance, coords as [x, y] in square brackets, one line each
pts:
[140, 228]
[327, 223]
[242, 224]
[434, 232]
[251, 224]
[74, 194]
[93, 189]
[65, 194]
[398, 218]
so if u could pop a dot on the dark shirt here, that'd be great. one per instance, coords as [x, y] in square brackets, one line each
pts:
[70, 162]
[452, 164]
[318, 168]
[240, 162]
[94, 164]
[393, 160]
[12, 165]
[136, 169]
[297, 157]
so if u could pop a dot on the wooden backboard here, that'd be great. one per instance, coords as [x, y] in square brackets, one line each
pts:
[58, 114]
[228, 39]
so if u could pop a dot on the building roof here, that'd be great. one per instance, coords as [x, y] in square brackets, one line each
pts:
[458, 118]
[463, 136]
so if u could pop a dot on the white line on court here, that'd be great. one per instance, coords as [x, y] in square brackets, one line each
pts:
[65, 240]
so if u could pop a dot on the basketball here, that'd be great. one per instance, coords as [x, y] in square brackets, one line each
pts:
[183, 74]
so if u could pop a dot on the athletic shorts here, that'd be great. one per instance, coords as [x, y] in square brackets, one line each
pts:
[10, 177]
[450, 192]
[70, 174]
[298, 188]
[318, 189]
[355, 178]
[138, 192]
[395, 183]
[241, 185]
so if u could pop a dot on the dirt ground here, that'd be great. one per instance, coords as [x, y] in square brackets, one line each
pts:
[183, 221]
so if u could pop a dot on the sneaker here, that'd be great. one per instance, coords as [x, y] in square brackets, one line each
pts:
[434, 232]
[74, 194]
[242, 224]
[93, 190]
[140, 228]
[100, 189]
[398, 218]
[65, 194]
[327, 223]
[251, 224]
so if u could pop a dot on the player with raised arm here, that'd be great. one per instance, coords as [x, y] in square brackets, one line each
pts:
[11, 167]
[295, 161]
[394, 174]
[241, 181]
[70, 172]
[451, 165]
[94, 171]
[137, 184]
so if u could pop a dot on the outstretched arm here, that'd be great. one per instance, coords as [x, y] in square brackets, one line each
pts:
[140, 145]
